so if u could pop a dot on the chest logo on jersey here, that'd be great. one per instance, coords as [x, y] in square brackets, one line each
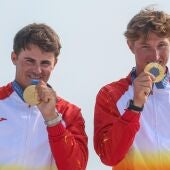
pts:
[1, 119]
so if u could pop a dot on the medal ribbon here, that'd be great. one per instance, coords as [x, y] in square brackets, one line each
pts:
[19, 90]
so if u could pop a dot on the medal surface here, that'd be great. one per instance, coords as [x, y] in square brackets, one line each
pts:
[155, 69]
[30, 95]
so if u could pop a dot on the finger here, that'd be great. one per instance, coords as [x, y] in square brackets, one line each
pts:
[147, 91]
[41, 90]
[48, 94]
[151, 76]
[146, 78]
[146, 85]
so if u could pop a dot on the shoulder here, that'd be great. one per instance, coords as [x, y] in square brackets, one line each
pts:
[115, 89]
[6, 91]
[64, 105]
[120, 85]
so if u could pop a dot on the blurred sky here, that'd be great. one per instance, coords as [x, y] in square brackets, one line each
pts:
[94, 50]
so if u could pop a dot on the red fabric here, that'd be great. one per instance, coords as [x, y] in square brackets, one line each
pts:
[69, 145]
[113, 133]
[6, 91]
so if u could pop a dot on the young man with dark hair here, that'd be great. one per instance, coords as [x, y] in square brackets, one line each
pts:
[38, 129]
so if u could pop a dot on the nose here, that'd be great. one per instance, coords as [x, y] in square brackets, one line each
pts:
[155, 56]
[37, 69]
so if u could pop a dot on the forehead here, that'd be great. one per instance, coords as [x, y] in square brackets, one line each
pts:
[152, 37]
[36, 53]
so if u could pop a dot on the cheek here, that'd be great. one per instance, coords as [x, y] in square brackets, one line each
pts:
[165, 56]
[46, 75]
[20, 67]
[47, 72]
[140, 56]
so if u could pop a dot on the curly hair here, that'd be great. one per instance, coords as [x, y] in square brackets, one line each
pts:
[146, 21]
[38, 34]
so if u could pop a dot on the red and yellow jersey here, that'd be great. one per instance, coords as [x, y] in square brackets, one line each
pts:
[27, 144]
[127, 140]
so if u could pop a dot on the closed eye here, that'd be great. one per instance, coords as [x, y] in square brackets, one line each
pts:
[46, 63]
[29, 60]
[163, 45]
[145, 46]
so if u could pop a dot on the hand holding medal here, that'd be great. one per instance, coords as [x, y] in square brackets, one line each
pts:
[42, 95]
[143, 84]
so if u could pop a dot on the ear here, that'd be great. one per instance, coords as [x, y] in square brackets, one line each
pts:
[131, 45]
[14, 57]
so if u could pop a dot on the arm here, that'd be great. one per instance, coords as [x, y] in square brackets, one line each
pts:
[69, 144]
[113, 133]
[68, 140]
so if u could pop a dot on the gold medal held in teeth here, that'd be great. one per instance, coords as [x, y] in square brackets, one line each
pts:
[30, 95]
[155, 69]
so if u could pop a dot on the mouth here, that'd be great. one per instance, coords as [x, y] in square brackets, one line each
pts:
[33, 77]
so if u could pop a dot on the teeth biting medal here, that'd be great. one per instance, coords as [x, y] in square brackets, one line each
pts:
[155, 69]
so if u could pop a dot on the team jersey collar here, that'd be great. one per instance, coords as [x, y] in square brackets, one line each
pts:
[19, 90]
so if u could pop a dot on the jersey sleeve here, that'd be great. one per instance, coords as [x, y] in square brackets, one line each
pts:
[68, 140]
[113, 133]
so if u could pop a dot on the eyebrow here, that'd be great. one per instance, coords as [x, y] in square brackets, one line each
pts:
[29, 58]
[45, 62]
[144, 43]
[42, 62]
[163, 42]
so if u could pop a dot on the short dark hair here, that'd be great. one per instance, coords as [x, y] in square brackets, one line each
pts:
[146, 21]
[37, 34]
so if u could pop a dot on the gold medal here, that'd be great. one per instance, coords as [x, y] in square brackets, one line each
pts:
[155, 69]
[30, 95]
